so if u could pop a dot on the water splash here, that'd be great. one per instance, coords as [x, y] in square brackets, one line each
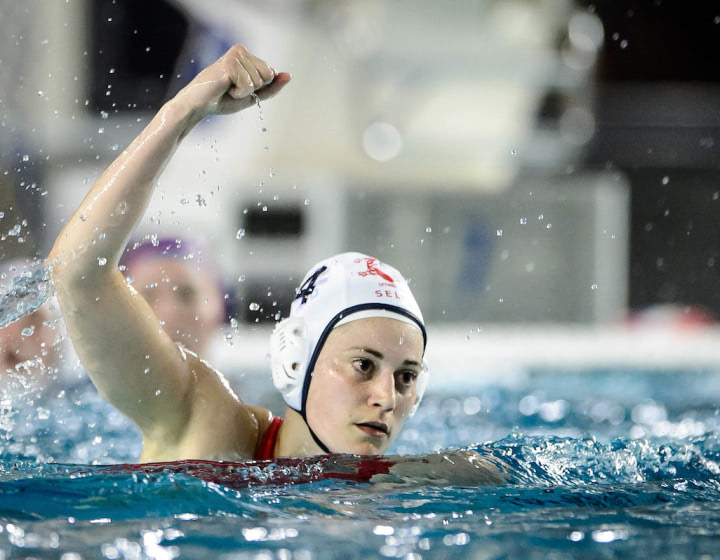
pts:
[552, 460]
[25, 293]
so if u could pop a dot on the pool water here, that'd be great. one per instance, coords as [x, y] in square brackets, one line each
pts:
[602, 464]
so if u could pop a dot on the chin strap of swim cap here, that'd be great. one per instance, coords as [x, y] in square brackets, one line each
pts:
[315, 437]
[288, 353]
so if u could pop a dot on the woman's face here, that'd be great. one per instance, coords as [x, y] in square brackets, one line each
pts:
[364, 385]
[187, 300]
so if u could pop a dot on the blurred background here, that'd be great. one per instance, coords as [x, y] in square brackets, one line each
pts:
[544, 171]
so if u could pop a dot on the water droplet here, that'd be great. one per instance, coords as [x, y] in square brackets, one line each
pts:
[26, 157]
[271, 173]
[104, 114]
[240, 233]
[623, 44]
[14, 231]
[665, 180]
[241, 278]
[41, 93]
[541, 217]
[307, 202]
[28, 331]
[549, 226]
[254, 306]
[200, 200]
[102, 261]
[499, 233]
[428, 230]
[594, 287]
[513, 152]
[101, 130]
[523, 221]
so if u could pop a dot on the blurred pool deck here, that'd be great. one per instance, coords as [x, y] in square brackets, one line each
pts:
[462, 354]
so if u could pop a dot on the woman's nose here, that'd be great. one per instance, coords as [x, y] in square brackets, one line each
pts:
[382, 393]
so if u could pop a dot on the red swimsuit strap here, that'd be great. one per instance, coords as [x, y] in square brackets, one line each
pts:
[266, 447]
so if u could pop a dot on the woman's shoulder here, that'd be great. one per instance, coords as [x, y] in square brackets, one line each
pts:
[264, 418]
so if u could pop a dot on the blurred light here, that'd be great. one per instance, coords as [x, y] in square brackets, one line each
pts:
[649, 413]
[528, 405]
[554, 410]
[608, 536]
[585, 37]
[585, 31]
[577, 59]
[382, 141]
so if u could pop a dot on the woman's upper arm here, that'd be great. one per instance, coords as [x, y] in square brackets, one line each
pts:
[131, 360]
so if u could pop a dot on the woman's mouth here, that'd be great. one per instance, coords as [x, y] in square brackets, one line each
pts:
[374, 429]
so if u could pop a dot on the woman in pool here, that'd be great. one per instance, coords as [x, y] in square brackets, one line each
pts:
[355, 329]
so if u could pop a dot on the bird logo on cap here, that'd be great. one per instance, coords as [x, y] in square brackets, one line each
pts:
[372, 269]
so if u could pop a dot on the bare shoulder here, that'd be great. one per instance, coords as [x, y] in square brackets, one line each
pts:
[263, 417]
[219, 426]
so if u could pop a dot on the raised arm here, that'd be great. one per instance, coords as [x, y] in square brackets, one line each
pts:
[131, 360]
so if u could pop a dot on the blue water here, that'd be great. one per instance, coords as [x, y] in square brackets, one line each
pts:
[603, 464]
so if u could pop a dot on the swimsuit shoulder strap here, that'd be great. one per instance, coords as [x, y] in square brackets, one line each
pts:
[266, 447]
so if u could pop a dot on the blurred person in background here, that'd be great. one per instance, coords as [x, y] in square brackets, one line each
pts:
[180, 281]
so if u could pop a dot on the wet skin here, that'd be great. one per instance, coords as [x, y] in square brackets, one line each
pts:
[364, 385]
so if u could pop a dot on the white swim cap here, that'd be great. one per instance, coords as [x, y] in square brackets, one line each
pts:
[336, 291]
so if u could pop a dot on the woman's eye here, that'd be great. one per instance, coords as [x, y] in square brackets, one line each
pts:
[363, 365]
[406, 378]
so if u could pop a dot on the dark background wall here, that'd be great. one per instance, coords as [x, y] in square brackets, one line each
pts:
[657, 109]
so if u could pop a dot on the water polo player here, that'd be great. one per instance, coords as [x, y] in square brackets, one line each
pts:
[348, 360]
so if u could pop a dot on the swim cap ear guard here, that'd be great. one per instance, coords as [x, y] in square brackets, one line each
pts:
[288, 354]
